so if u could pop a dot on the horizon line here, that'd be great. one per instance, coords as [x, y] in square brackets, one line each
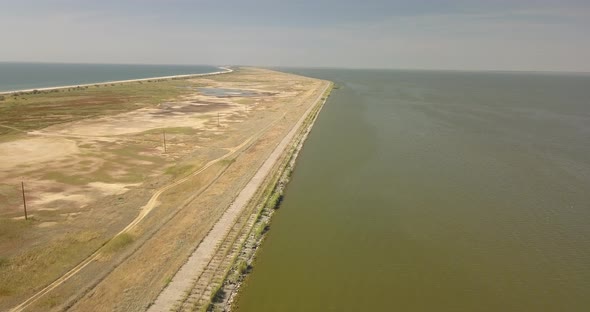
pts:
[310, 67]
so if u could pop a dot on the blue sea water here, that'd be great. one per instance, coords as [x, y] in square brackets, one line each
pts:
[20, 76]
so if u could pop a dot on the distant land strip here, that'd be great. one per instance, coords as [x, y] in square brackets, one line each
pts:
[224, 70]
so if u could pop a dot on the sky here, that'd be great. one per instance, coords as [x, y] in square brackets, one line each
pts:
[528, 35]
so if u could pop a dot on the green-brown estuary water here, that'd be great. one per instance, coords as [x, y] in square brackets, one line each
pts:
[435, 191]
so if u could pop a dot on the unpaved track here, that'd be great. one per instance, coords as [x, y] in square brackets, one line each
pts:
[11, 128]
[197, 262]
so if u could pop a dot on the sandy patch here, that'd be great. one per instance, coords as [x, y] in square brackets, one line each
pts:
[48, 197]
[47, 209]
[70, 216]
[35, 150]
[46, 224]
[136, 121]
[79, 196]
[112, 188]
[23, 217]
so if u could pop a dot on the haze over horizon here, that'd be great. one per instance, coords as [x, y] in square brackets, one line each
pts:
[521, 35]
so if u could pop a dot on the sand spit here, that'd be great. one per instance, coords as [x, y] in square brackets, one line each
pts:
[224, 70]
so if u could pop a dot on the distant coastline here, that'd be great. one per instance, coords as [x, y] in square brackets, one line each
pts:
[223, 70]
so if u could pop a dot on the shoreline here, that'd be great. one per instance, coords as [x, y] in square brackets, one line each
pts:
[243, 264]
[177, 292]
[225, 70]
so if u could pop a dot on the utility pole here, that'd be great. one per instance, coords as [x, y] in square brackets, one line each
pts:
[164, 134]
[22, 184]
[218, 119]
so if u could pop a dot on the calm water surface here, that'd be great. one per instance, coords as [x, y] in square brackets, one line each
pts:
[436, 191]
[20, 76]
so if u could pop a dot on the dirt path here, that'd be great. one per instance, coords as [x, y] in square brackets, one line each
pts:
[12, 128]
[197, 262]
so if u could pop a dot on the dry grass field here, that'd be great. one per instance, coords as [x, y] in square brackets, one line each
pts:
[109, 207]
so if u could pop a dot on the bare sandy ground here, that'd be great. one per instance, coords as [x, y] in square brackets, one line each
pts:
[34, 150]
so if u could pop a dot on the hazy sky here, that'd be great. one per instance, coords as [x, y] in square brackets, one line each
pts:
[439, 34]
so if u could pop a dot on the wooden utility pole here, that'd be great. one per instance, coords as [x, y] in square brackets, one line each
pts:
[22, 184]
[164, 134]
[218, 119]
